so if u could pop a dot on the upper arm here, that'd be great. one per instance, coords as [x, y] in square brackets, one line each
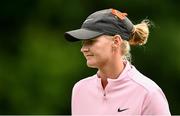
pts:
[156, 104]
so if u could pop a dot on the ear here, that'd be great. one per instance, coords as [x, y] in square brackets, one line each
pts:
[117, 40]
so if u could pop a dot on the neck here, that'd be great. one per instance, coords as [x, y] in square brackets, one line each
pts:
[111, 71]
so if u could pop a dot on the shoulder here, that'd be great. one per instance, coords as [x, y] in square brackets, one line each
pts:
[155, 101]
[83, 83]
[142, 81]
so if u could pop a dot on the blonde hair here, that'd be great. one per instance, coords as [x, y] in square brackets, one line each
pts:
[138, 37]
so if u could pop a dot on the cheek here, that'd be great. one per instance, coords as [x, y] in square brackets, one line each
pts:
[107, 51]
[104, 54]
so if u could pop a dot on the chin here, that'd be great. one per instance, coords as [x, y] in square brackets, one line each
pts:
[91, 65]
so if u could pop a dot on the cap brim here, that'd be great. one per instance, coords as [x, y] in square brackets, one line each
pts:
[81, 34]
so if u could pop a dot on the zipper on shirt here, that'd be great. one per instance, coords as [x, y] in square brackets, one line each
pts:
[103, 90]
[104, 95]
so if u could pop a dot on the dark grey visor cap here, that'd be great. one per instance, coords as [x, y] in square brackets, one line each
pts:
[99, 23]
[81, 34]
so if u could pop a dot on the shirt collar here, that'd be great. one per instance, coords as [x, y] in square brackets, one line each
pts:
[128, 66]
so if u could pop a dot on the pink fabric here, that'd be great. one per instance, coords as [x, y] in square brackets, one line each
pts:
[130, 94]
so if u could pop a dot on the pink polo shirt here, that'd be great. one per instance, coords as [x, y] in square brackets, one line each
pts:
[130, 94]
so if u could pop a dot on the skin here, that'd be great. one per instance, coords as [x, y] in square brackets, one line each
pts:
[104, 53]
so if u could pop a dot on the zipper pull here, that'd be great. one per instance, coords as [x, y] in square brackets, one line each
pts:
[104, 94]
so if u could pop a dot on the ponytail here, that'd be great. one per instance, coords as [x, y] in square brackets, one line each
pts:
[140, 33]
[138, 36]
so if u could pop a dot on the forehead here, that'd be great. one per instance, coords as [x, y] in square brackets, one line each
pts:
[100, 38]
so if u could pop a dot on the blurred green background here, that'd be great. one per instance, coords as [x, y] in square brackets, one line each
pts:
[38, 68]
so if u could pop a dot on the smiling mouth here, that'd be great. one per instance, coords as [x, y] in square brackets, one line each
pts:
[88, 55]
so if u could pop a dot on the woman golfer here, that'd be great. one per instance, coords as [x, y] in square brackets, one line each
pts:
[117, 88]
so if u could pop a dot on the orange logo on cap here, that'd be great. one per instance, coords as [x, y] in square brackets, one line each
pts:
[120, 15]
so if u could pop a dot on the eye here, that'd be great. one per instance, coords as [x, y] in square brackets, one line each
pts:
[88, 42]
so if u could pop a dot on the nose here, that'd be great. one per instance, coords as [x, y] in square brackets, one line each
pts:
[84, 48]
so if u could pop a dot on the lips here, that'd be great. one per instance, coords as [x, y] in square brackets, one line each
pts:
[88, 55]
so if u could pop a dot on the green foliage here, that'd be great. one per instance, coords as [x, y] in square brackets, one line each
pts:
[38, 68]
